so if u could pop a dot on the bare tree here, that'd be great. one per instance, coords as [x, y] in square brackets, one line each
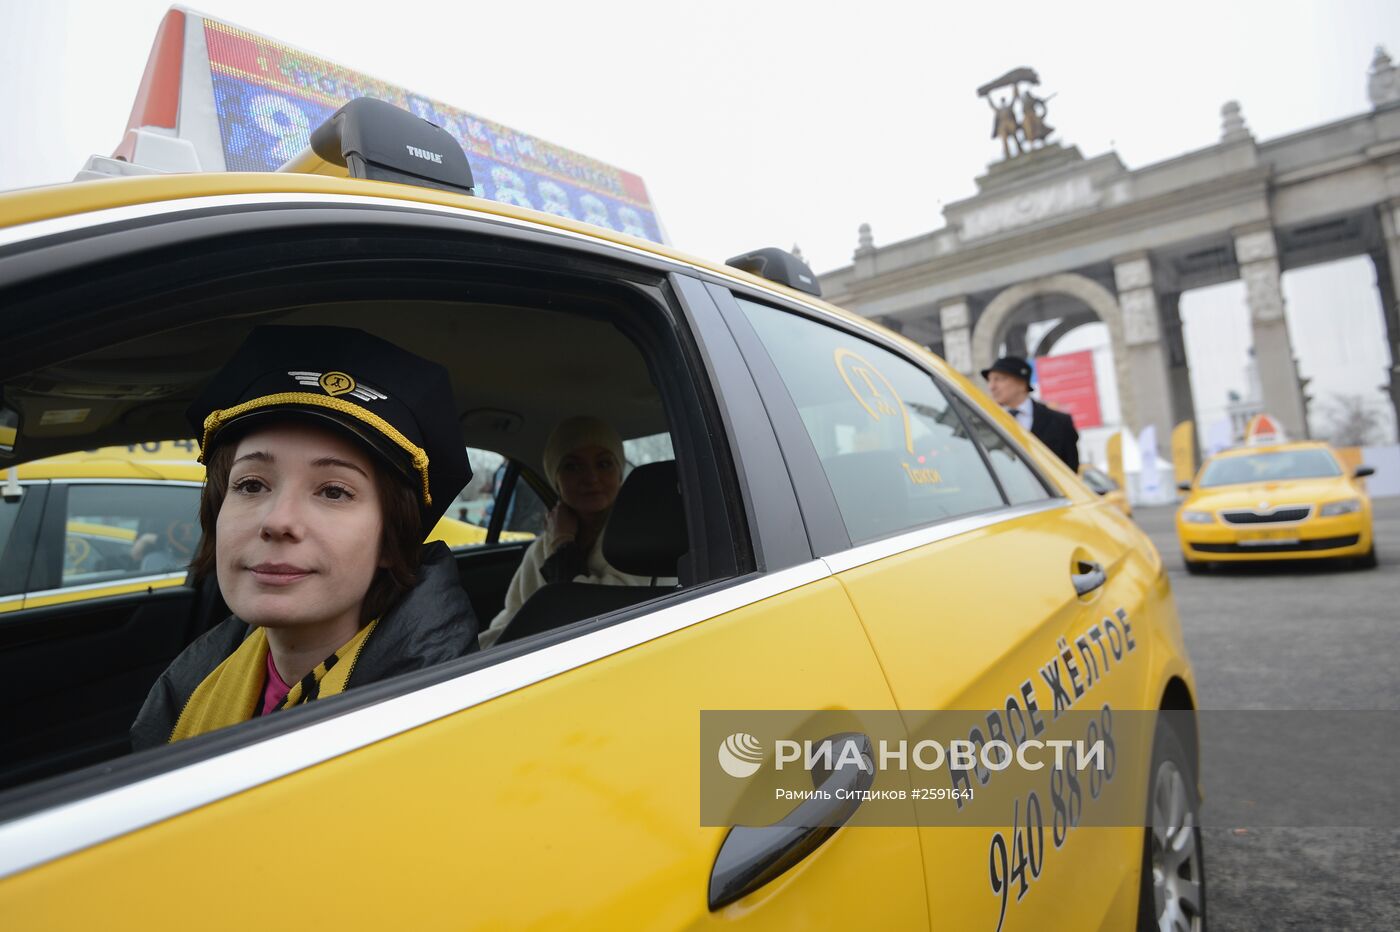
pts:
[1351, 422]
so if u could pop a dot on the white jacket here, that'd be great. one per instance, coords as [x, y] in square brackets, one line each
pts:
[528, 579]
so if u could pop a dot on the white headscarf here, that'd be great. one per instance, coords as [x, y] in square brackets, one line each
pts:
[572, 433]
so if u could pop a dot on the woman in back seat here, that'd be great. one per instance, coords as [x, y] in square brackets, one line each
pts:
[583, 462]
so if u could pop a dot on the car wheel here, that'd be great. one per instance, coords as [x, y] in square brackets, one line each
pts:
[1172, 897]
[1194, 567]
[1368, 560]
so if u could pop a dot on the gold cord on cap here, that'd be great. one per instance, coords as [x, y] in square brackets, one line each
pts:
[218, 418]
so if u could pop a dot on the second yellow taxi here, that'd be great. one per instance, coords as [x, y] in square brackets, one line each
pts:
[1287, 501]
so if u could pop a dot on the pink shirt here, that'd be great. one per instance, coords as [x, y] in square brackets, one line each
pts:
[276, 690]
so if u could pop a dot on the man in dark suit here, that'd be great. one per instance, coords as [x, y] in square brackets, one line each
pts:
[1009, 382]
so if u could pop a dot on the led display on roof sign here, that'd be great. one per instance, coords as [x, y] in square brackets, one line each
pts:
[267, 97]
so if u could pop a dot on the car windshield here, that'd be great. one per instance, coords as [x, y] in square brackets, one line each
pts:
[1270, 467]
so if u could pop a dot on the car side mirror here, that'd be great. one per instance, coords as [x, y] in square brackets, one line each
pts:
[1184, 486]
[1364, 471]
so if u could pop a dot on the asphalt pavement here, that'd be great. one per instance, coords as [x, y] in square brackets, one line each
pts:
[1285, 636]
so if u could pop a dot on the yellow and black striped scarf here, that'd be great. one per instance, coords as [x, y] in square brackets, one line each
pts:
[234, 690]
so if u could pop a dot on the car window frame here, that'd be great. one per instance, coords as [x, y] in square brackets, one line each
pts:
[967, 407]
[58, 505]
[709, 445]
[14, 577]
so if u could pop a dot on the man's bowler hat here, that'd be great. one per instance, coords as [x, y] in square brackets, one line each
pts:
[1012, 365]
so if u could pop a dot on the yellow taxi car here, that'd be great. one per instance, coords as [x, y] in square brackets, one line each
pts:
[840, 508]
[130, 524]
[1282, 501]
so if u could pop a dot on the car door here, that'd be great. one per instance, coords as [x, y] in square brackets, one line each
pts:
[101, 617]
[980, 587]
[551, 782]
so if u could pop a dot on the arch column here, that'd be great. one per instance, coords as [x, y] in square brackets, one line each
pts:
[1178, 366]
[1387, 263]
[1257, 254]
[1144, 352]
[955, 320]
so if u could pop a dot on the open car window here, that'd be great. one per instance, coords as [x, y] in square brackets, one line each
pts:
[530, 337]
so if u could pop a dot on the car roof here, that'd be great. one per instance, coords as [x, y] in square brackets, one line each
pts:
[1273, 448]
[31, 205]
[100, 464]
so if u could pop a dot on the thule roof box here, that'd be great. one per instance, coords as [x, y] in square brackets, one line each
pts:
[368, 138]
[781, 266]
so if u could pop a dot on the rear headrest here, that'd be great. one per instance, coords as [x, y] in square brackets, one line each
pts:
[646, 535]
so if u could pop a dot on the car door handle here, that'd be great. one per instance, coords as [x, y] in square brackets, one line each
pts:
[751, 857]
[1090, 576]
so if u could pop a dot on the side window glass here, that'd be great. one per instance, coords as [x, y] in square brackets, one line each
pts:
[1020, 483]
[524, 513]
[115, 532]
[640, 451]
[894, 451]
[468, 519]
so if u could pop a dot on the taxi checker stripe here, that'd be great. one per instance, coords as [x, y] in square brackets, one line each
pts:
[218, 418]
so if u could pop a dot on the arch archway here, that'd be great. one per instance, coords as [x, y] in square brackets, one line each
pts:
[986, 333]
[1046, 344]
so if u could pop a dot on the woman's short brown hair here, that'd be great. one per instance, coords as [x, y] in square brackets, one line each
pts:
[400, 541]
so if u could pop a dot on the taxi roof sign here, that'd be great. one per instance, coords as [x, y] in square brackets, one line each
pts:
[1261, 430]
[240, 101]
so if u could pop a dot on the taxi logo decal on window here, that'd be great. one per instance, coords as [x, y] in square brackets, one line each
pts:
[338, 383]
[861, 378]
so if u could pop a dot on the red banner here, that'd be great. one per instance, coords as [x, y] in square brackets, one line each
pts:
[1067, 383]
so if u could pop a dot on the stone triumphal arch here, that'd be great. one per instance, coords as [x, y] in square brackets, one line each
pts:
[1053, 235]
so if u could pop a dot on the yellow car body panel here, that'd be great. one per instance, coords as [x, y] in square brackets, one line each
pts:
[102, 465]
[927, 609]
[1257, 541]
[1119, 499]
[592, 822]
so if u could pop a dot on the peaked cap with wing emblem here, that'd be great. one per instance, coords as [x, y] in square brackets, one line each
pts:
[397, 403]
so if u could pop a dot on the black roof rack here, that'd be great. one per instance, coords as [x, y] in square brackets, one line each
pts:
[781, 266]
[369, 138]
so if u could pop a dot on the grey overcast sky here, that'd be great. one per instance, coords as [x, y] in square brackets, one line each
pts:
[760, 123]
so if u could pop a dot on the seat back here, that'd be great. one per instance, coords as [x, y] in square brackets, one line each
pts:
[645, 536]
